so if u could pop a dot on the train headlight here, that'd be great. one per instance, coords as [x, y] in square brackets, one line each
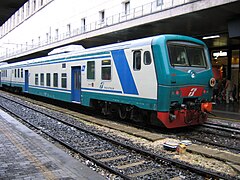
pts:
[212, 82]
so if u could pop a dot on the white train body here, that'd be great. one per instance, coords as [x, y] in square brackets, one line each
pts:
[121, 77]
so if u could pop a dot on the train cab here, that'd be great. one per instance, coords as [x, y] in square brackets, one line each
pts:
[185, 81]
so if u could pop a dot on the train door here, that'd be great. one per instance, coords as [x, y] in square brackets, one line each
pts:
[26, 85]
[76, 84]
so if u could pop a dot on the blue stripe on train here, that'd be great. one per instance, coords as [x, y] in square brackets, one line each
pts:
[124, 72]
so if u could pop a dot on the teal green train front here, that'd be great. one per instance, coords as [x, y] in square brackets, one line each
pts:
[184, 78]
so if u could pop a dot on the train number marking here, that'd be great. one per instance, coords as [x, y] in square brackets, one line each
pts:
[192, 92]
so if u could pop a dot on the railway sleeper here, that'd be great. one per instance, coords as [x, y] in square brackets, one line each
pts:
[100, 152]
[150, 171]
[130, 165]
[112, 158]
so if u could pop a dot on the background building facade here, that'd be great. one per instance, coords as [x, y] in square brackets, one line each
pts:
[42, 21]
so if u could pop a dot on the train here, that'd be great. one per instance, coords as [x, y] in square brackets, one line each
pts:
[164, 80]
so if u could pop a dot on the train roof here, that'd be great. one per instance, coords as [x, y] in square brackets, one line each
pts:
[121, 45]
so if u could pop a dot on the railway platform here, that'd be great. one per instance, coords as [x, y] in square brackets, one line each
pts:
[26, 155]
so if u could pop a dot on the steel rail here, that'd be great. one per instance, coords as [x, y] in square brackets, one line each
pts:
[222, 127]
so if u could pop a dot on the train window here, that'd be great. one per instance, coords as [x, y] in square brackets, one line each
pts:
[64, 65]
[15, 73]
[137, 60]
[18, 75]
[36, 79]
[106, 69]
[178, 55]
[42, 79]
[55, 79]
[3, 73]
[91, 70]
[196, 57]
[147, 58]
[21, 73]
[187, 54]
[48, 79]
[64, 80]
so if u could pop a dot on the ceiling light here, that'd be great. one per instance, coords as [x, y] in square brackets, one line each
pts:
[211, 37]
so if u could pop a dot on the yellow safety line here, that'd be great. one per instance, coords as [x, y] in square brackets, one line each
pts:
[43, 169]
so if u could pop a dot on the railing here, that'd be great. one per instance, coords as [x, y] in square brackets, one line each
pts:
[134, 13]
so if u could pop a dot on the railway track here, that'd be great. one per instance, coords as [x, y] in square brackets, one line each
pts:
[222, 127]
[117, 156]
[216, 135]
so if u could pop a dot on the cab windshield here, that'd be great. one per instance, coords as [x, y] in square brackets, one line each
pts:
[186, 54]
